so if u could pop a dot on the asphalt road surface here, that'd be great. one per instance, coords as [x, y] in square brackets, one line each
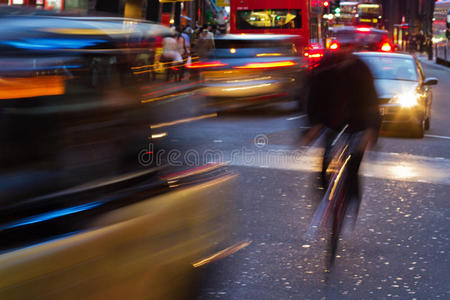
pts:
[400, 248]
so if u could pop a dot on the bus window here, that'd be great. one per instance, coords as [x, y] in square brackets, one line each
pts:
[370, 14]
[369, 10]
[268, 19]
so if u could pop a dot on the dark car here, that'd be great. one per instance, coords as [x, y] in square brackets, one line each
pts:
[251, 67]
[404, 92]
[84, 211]
[369, 39]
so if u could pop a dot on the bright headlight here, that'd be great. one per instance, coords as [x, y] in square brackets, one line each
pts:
[408, 99]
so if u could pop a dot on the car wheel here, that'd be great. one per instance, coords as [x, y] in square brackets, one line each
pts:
[418, 130]
[427, 123]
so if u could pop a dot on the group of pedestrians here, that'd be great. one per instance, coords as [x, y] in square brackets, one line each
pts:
[419, 42]
[184, 46]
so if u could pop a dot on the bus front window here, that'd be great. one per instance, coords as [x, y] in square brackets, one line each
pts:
[369, 10]
[268, 19]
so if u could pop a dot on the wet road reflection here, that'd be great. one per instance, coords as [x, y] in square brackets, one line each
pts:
[395, 166]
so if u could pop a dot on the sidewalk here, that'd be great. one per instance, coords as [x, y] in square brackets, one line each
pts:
[423, 58]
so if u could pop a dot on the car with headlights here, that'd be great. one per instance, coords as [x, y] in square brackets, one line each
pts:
[255, 67]
[366, 38]
[404, 91]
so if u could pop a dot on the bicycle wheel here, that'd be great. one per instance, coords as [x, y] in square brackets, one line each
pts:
[338, 196]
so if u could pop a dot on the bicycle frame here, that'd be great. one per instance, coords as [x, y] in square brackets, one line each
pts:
[330, 214]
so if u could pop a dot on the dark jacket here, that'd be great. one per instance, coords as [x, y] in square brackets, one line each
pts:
[342, 92]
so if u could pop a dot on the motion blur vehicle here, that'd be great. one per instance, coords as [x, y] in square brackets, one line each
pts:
[369, 39]
[85, 213]
[275, 17]
[73, 77]
[251, 69]
[404, 92]
[441, 31]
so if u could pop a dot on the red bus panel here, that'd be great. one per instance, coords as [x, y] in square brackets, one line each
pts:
[270, 16]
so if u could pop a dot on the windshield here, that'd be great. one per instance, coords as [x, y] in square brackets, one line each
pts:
[347, 36]
[391, 68]
[268, 19]
[250, 48]
[259, 44]
[372, 10]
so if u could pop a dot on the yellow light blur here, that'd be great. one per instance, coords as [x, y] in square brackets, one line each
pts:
[160, 125]
[232, 50]
[268, 54]
[221, 254]
[246, 87]
[172, 21]
[27, 87]
[333, 189]
[159, 135]
[407, 100]
[369, 5]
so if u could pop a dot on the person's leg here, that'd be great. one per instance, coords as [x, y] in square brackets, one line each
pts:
[330, 135]
[168, 71]
[353, 189]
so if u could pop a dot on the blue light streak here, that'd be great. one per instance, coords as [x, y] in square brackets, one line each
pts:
[51, 215]
[49, 44]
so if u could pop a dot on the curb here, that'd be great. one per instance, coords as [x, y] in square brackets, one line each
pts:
[431, 63]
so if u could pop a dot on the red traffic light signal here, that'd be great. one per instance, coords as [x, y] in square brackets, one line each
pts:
[326, 4]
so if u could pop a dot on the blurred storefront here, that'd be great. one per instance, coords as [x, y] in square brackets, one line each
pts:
[167, 12]
[417, 13]
[74, 6]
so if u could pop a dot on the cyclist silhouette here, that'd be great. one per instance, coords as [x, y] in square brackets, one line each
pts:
[342, 94]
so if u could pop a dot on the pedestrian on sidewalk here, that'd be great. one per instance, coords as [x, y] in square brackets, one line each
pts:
[183, 49]
[170, 56]
[203, 45]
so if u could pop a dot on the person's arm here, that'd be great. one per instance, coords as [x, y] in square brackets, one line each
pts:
[313, 110]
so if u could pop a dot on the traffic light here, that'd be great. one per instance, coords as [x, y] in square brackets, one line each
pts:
[326, 6]
[334, 7]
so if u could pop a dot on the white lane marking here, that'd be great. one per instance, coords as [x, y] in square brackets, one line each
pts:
[392, 166]
[438, 136]
[296, 117]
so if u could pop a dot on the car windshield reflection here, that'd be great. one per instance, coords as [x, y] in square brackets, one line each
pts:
[392, 68]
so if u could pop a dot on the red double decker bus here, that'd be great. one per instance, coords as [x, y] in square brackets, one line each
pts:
[299, 17]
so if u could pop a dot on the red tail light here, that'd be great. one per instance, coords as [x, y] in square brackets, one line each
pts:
[315, 55]
[265, 65]
[386, 47]
[210, 64]
[334, 46]
[363, 29]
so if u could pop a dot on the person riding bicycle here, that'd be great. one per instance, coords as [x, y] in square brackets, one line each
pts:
[342, 92]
